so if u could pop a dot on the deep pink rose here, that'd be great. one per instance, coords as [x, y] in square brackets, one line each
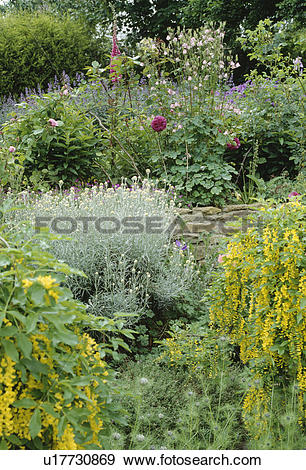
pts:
[293, 193]
[159, 123]
[234, 146]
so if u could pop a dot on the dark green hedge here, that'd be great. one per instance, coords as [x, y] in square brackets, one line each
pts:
[36, 47]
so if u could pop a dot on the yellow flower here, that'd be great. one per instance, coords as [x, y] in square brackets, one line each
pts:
[26, 283]
[47, 282]
[53, 294]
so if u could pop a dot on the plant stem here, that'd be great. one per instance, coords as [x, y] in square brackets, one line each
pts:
[161, 154]
[119, 143]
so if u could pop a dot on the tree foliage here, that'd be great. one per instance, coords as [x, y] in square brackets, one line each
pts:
[35, 48]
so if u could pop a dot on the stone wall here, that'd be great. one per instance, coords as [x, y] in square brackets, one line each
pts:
[193, 224]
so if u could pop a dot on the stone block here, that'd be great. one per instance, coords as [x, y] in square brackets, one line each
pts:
[209, 210]
[198, 227]
[184, 210]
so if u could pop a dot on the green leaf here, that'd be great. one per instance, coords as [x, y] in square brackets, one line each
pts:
[24, 344]
[61, 426]
[49, 409]
[4, 260]
[38, 131]
[10, 349]
[36, 293]
[303, 303]
[3, 445]
[36, 367]
[35, 423]
[14, 439]
[8, 331]
[31, 323]
[25, 403]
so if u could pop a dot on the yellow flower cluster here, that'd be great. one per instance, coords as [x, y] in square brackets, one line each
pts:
[260, 300]
[47, 282]
[16, 385]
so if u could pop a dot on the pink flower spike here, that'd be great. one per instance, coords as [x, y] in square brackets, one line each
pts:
[293, 194]
[115, 53]
[159, 123]
[12, 149]
[53, 122]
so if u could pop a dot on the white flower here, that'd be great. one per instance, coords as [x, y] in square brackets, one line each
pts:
[140, 437]
[116, 436]
[143, 381]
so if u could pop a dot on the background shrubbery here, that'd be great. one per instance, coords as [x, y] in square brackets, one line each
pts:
[36, 47]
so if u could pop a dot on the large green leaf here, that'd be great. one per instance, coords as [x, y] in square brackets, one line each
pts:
[10, 349]
[35, 423]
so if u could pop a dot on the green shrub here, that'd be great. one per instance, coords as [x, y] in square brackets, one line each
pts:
[36, 47]
[55, 138]
[55, 385]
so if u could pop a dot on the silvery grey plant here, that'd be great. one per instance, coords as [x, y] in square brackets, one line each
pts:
[124, 271]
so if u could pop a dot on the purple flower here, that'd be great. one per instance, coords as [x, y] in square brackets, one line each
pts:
[11, 149]
[159, 123]
[180, 245]
[293, 194]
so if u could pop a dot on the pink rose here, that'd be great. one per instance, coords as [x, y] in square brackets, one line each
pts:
[53, 122]
[12, 149]
[159, 123]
